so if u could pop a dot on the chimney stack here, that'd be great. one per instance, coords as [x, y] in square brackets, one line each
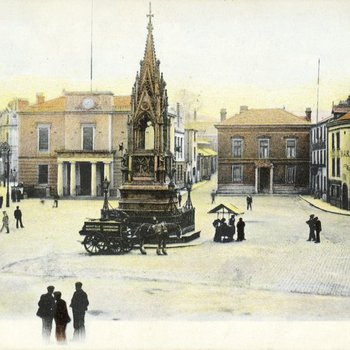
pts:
[178, 114]
[22, 104]
[40, 98]
[308, 112]
[243, 108]
[223, 114]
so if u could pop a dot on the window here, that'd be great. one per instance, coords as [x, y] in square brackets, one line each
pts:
[237, 148]
[88, 132]
[291, 148]
[338, 167]
[43, 138]
[237, 173]
[338, 139]
[333, 167]
[264, 148]
[290, 174]
[332, 141]
[43, 174]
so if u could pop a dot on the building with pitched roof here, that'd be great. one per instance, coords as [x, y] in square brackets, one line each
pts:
[70, 144]
[263, 151]
[339, 161]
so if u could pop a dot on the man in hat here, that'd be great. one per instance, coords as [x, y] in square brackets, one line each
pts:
[5, 222]
[46, 311]
[61, 317]
[18, 217]
[311, 224]
[79, 305]
[240, 230]
[318, 229]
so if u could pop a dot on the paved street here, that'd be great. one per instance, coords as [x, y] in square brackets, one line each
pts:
[275, 275]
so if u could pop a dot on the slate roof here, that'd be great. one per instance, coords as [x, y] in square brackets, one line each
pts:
[121, 103]
[345, 117]
[265, 117]
[55, 105]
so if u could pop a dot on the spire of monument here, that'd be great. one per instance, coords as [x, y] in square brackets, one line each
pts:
[149, 59]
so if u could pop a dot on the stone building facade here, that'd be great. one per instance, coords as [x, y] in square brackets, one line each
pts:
[339, 162]
[70, 144]
[263, 151]
[9, 134]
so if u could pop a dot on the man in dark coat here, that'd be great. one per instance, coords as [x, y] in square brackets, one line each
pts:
[249, 202]
[318, 229]
[79, 305]
[311, 223]
[217, 236]
[46, 311]
[61, 317]
[240, 230]
[18, 217]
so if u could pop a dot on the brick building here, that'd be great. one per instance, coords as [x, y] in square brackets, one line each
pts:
[263, 151]
[71, 143]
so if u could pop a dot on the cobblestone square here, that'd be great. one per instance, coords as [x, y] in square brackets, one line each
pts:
[274, 276]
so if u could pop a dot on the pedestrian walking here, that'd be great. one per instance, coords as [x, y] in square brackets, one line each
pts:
[249, 202]
[61, 317]
[55, 201]
[311, 224]
[5, 222]
[46, 311]
[240, 230]
[18, 217]
[79, 305]
[213, 195]
[318, 228]
[179, 199]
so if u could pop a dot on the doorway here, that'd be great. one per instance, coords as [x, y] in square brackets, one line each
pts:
[264, 180]
[85, 179]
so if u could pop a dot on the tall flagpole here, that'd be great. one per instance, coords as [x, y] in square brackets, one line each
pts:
[318, 89]
[92, 8]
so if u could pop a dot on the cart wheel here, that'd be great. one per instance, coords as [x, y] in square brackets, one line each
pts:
[95, 244]
[128, 244]
[115, 247]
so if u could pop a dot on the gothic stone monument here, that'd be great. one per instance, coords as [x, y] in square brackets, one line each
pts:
[148, 165]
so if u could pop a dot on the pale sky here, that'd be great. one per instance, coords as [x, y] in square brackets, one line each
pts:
[225, 54]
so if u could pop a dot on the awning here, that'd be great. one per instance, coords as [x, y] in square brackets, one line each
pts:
[205, 151]
[228, 208]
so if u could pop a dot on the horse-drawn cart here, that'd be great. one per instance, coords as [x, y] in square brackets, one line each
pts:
[106, 237]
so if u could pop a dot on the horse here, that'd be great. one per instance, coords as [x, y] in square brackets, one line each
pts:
[158, 231]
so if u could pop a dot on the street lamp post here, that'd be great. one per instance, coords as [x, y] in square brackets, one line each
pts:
[188, 204]
[105, 186]
[5, 149]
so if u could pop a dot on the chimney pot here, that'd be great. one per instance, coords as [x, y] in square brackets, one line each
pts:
[243, 108]
[308, 112]
[40, 98]
[223, 114]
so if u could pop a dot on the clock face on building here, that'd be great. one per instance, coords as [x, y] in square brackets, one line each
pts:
[88, 103]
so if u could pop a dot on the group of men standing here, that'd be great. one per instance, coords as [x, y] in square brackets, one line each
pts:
[315, 226]
[53, 307]
[224, 232]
